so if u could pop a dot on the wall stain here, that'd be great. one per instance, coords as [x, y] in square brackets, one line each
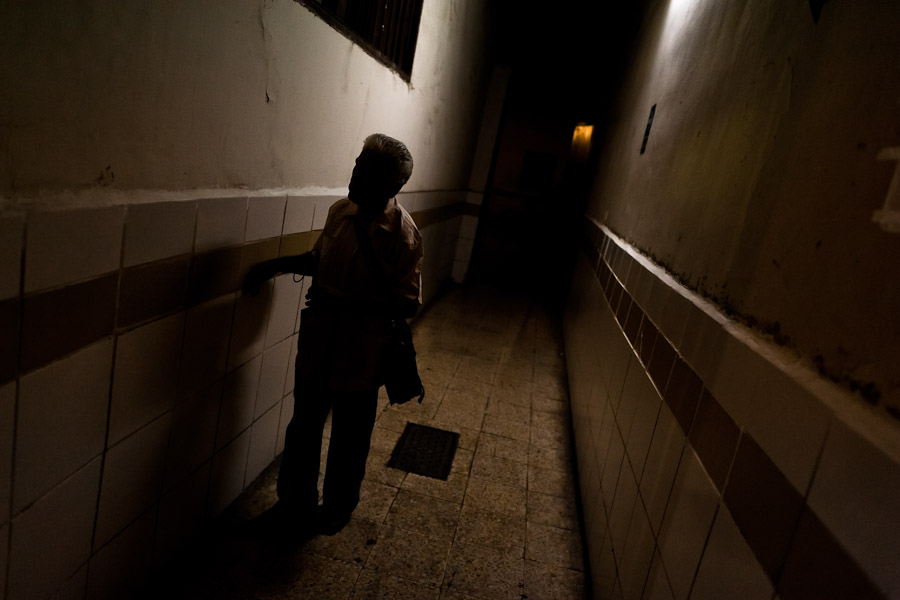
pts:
[868, 391]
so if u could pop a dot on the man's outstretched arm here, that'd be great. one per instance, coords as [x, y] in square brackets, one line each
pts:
[301, 264]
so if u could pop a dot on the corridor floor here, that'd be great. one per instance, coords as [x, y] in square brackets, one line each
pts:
[504, 525]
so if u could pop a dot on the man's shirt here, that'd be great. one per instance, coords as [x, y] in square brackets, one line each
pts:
[345, 271]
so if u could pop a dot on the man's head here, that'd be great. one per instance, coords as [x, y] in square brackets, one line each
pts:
[382, 168]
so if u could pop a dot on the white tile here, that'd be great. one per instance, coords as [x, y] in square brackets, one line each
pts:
[464, 250]
[287, 413]
[635, 273]
[622, 508]
[236, 413]
[298, 214]
[639, 546]
[182, 514]
[292, 361]
[66, 246]
[74, 587]
[4, 558]
[644, 286]
[193, 437]
[657, 300]
[205, 350]
[735, 377]
[283, 309]
[468, 226]
[55, 533]
[158, 230]
[322, 203]
[729, 569]
[12, 229]
[647, 407]
[132, 478]
[856, 492]
[790, 424]
[635, 386]
[703, 344]
[119, 569]
[673, 322]
[61, 423]
[657, 587]
[145, 375]
[265, 217]
[263, 439]
[688, 518]
[251, 316]
[272, 376]
[608, 453]
[622, 357]
[228, 469]
[7, 419]
[603, 572]
[661, 466]
[220, 223]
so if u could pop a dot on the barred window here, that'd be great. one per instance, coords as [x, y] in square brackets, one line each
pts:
[386, 29]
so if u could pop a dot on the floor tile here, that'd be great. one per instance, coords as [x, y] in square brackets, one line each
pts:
[424, 514]
[484, 572]
[312, 576]
[552, 546]
[483, 493]
[554, 511]
[374, 585]
[410, 554]
[543, 582]
[501, 531]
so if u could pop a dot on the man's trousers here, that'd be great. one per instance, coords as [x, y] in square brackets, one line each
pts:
[352, 420]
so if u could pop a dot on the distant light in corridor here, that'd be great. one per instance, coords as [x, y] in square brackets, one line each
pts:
[581, 141]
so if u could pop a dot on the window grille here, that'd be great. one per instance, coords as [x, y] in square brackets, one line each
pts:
[386, 29]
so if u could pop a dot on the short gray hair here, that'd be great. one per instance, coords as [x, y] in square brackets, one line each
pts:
[397, 153]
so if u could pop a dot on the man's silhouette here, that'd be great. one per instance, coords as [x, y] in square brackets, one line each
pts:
[356, 294]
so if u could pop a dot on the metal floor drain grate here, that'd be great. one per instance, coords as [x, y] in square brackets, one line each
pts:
[425, 451]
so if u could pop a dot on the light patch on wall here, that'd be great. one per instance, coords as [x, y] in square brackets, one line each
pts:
[581, 141]
[678, 15]
[889, 216]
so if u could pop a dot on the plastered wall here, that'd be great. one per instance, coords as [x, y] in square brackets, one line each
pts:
[764, 168]
[225, 94]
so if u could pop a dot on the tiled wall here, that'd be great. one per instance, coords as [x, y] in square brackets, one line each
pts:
[713, 464]
[140, 392]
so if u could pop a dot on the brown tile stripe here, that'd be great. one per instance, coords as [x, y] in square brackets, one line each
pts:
[817, 567]
[714, 436]
[9, 339]
[297, 243]
[58, 322]
[61, 321]
[764, 505]
[213, 274]
[797, 552]
[151, 290]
